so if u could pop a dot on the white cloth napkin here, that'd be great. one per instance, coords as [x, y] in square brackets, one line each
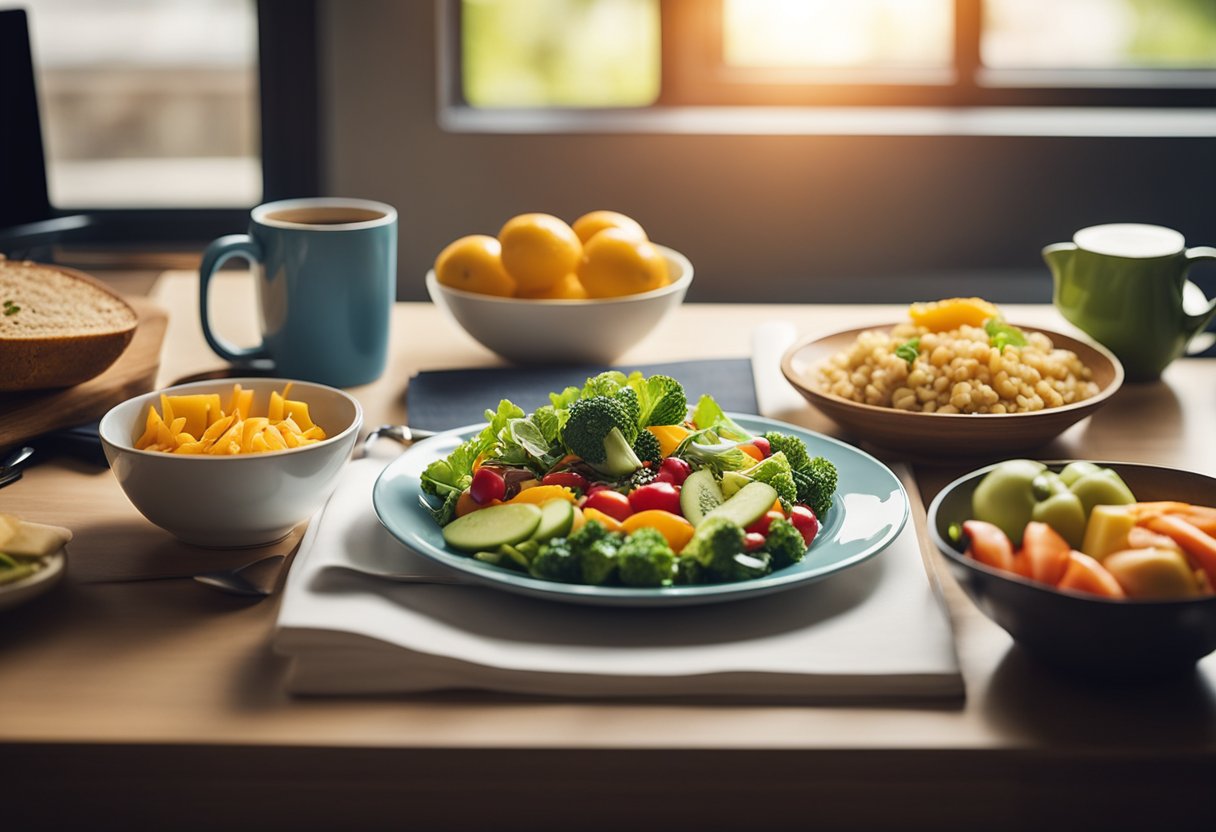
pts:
[872, 632]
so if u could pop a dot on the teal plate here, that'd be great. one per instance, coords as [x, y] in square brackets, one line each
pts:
[868, 512]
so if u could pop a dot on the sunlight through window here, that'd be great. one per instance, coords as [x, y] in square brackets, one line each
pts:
[1100, 34]
[864, 34]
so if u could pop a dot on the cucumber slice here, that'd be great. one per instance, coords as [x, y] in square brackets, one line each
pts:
[732, 481]
[700, 495]
[488, 528]
[556, 518]
[748, 505]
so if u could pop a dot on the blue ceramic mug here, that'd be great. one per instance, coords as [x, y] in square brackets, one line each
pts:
[326, 278]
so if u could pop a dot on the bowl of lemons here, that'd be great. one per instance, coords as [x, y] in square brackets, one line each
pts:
[546, 292]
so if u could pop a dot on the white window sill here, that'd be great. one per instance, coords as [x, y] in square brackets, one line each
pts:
[841, 121]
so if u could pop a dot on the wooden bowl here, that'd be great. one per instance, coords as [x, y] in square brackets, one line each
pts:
[947, 434]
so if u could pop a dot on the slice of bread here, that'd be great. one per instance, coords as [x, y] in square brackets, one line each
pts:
[58, 326]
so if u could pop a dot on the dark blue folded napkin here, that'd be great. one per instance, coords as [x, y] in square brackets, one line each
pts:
[438, 400]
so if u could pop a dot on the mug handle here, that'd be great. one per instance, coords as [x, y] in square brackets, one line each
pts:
[219, 252]
[1201, 346]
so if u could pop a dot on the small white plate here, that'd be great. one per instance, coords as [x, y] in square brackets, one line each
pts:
[26, 589]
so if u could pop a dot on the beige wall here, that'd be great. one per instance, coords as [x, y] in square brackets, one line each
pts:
[762, 217]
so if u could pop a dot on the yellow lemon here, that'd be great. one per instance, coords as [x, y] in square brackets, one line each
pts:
[538, 250]
[588, 225]
[568, 288]
[474, 264]
[615, 264]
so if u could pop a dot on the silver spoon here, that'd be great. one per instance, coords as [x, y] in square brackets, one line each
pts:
[10, 468]
[238, 581]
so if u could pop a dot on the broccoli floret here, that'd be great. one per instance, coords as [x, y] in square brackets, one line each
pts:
[648, 449]
[662, 399]
[645, 559]
[717, 545]
[815, 479]
[775, 470]
[816, 485]
[784, 544]
[627, 398]
[600, 430]
[598, 562]
[690, 572]
[794, 448]
[588, 533]
[716, 541]
[594, 549]
[556, 561]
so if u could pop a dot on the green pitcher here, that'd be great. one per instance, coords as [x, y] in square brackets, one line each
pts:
[1125, 285]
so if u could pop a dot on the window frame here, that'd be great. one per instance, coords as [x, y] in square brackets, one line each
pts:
[693, 75]
[290, 141]
[694, 82]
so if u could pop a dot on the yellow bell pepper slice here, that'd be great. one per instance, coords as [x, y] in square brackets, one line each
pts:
[952, 313]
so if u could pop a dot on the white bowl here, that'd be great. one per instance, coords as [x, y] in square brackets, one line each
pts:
[564, 331]
[232, 501]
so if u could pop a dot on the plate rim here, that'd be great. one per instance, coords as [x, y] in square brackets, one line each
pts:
[803, 384]
[33, 586]
[520, 583]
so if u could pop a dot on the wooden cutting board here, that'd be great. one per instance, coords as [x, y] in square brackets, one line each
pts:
[26, 415]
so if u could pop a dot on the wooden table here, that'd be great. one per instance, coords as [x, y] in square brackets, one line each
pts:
[159, 704]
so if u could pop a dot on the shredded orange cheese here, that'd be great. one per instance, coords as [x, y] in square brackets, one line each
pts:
[198, 424]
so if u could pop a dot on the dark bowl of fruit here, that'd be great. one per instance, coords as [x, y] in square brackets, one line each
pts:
[1099, 569]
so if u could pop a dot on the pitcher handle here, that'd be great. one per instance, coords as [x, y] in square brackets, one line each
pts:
[1201, 345]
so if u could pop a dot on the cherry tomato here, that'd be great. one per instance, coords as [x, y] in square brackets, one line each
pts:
[761, 525]
[661, 496]
[752, 541]
[805, 522]
[764, 446]
[599, 486]
[613, 503]
[567, 478]
[487, 485]
[674, 470]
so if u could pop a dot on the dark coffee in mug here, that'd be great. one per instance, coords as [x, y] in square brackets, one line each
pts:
[324, 216]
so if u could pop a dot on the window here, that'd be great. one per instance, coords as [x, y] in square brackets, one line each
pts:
[556, 53]
[148, 103]
[163, 121]
[1075, 53]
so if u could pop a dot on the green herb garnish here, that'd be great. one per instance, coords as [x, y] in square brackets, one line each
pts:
[1001, 334]
[11, 308]
[909, 350]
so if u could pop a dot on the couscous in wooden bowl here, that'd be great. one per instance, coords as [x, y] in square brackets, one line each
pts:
[947, 434]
